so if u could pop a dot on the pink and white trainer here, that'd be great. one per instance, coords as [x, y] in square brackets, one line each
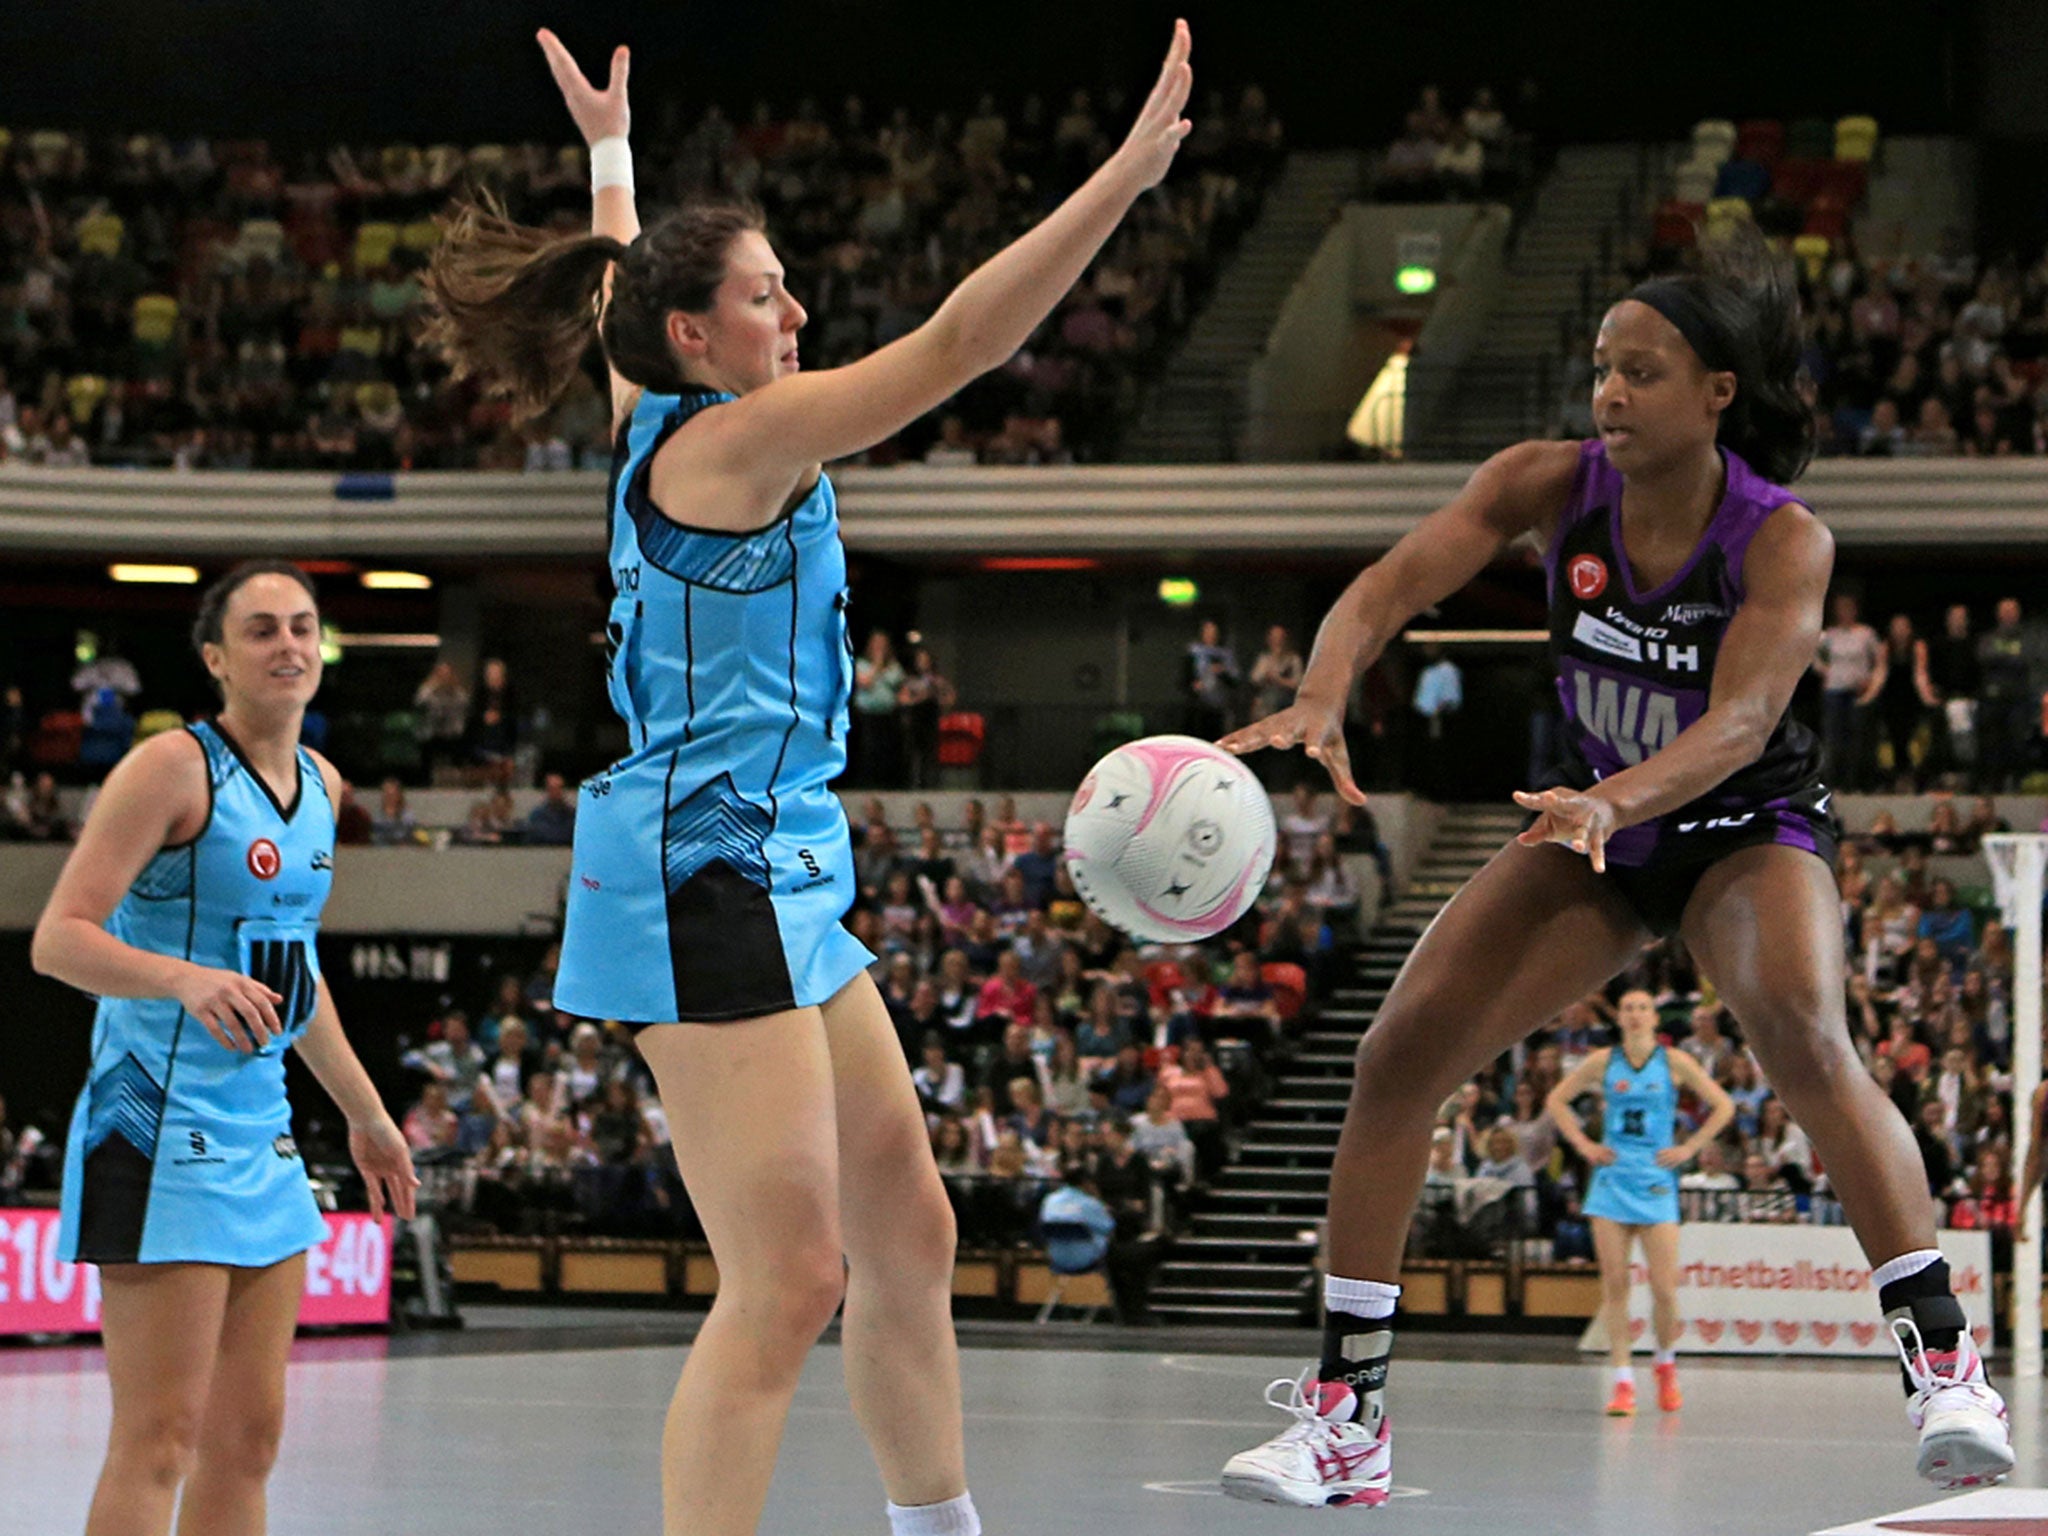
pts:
[1323, 1458]
[1964, 1438]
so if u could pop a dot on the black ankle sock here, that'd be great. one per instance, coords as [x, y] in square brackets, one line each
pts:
[1927, 1299]
[1355, 1352]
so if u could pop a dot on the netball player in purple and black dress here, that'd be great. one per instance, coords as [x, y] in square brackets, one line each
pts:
[1686, 587]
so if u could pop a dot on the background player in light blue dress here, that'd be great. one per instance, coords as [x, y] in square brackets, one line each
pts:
[190, 907]
[1634, 1194]
[712, 863]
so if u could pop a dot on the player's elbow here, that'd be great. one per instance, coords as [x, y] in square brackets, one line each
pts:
[966, 344]
[44, 946]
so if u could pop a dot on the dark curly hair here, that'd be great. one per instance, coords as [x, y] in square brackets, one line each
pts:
[516, 308]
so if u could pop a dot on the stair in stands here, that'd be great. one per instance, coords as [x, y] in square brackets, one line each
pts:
[1248, 1255]
[1196, 412]
[1497, 396]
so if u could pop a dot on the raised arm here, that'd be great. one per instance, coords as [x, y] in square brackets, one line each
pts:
[601, 116]
[1763, 656]
[804, 419]
[1517, 490]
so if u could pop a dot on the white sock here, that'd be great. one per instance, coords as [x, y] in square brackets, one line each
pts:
[1904, 1265]
[1665, 1357]
[1624, 1376]
[955, 1517]
[1369, 1299]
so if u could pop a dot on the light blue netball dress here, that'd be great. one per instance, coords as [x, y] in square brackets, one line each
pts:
[713, 864]
[1642, 1107]
[180, 1149]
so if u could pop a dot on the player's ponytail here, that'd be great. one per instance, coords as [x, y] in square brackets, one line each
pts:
[1740, 313]
[516, 308]
[512, 307]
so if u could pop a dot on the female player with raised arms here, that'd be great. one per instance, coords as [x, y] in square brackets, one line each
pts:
[713, 863]
[1685, 587]
[190, 907]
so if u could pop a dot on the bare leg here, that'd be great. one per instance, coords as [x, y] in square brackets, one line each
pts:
[902, 1365]
[1611, 1240]
[1533, 931]
[1765, 924]
[1660, 1252]
[162, 1324]
[750, 1109]
[245, 1408]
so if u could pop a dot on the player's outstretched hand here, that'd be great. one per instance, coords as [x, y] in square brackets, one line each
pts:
[1582, 822]
[1600, 1155]
[385, 1162]
[1317, 729]
[238, 1011]
[1156, 136]
[599, 114]
[1675, 1156]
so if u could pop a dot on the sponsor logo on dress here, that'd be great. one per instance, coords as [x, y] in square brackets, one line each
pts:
[1683, 614]
[1588, 576]
[1600, 636]
[322, 859]
[590, 884]
[265, 862]
[196, 1140]
[285, 1148]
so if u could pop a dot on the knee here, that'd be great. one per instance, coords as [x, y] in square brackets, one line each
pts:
[1392, 1076]
[808, 1288]
[161, 1447]
[248, 1449]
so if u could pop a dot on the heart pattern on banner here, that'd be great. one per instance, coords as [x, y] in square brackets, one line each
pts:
[1787, 1331]
[1826, 1333]
[1635, 1328]
[1863, 1333]
[1711, 1329]
[1747, 1331]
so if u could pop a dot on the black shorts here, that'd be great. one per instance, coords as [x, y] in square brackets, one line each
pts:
[1675, 851]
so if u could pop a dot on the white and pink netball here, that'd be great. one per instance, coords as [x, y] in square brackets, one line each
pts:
[1170, 839]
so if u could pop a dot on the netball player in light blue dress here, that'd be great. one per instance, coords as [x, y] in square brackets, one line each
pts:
[190, 907]
[713, 864]
[1634, 1193]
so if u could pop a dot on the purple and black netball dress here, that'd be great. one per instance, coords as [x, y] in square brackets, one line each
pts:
[1633, 670]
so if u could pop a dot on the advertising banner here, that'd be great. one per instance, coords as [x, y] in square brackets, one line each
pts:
[348, 1276]
[1746, 1288]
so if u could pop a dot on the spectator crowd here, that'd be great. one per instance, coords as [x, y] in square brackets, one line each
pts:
[219, 304]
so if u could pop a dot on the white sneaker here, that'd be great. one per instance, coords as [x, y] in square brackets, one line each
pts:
[1964, 1439]
[1324, 1457]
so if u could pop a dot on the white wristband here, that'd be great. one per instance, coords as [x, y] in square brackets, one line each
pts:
[611, 163]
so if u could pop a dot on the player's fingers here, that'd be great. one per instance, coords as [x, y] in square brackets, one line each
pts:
[265, 1003]
[373, 1190]
[213, 1028]
[622, 66]
[1338, 761]
[560, 64]
[248, 1026]
[1598, 839]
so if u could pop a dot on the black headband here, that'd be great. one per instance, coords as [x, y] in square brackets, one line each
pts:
[1681, 303]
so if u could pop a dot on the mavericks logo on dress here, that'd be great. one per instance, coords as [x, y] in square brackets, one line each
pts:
[265, 861]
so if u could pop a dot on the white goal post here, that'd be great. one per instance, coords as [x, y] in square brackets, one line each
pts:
[2017, 861]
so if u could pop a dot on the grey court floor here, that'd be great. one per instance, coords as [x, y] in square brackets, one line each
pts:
[544, 1424]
